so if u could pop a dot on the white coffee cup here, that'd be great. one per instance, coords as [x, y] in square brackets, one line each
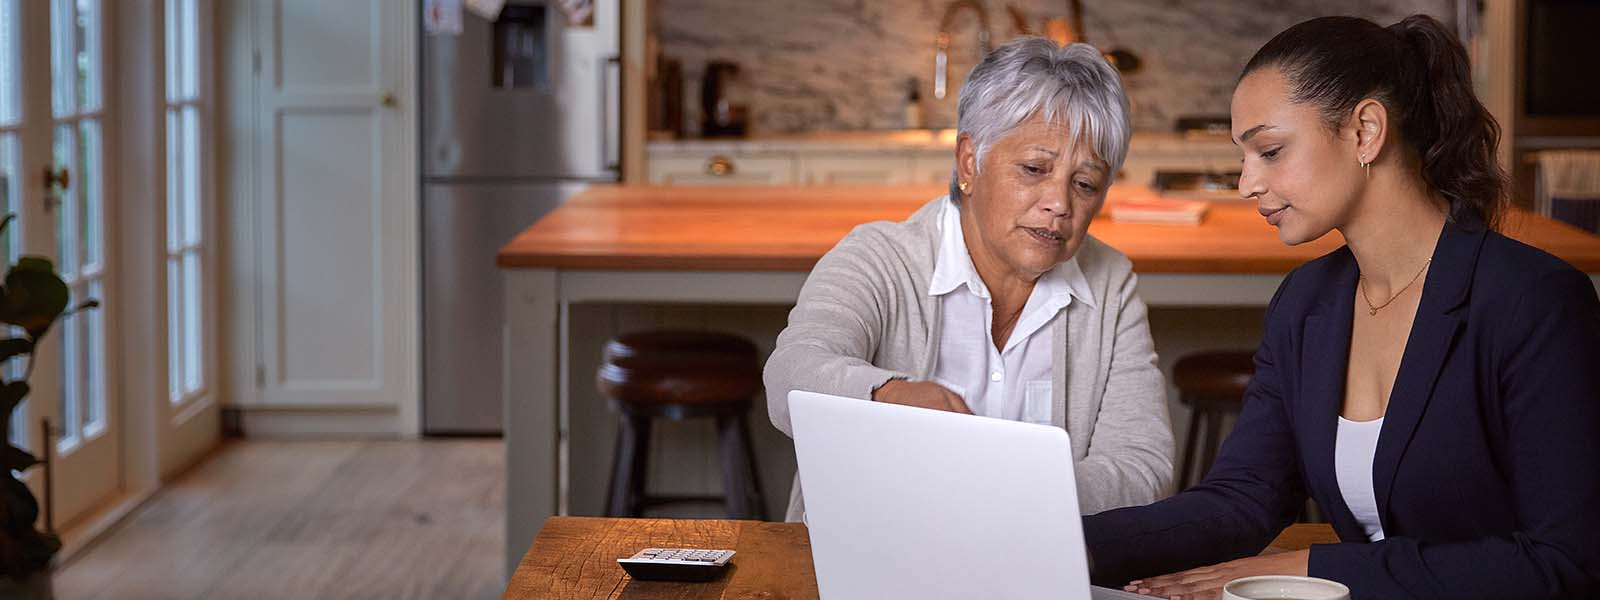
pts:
[1284, 587]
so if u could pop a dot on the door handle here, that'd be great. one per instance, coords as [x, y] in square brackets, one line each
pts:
[55, 183]
[719, 166]
[58, 178]
[611, 115]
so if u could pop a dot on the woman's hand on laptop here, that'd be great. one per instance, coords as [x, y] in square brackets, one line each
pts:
[921, 394]
[1205, 583]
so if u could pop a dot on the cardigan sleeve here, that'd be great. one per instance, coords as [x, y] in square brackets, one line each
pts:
[1548, 356]
[1130, 452]
[834, 330]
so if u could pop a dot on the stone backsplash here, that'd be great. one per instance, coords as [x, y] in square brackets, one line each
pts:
[844, 64]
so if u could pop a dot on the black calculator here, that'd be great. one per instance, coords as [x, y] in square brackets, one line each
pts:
[676, 564]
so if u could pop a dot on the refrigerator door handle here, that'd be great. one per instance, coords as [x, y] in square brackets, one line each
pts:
[610, 115]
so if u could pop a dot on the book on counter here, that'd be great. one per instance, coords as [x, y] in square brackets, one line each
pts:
[1155, 209]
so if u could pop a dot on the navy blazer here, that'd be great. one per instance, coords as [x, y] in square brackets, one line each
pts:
[1487, 472]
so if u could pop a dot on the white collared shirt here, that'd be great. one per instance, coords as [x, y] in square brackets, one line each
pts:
[1012, 383]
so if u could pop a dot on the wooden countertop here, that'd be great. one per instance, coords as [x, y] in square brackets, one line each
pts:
[576, 557]
[787, 228]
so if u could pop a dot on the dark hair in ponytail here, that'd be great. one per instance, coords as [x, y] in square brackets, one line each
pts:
[1420, 73]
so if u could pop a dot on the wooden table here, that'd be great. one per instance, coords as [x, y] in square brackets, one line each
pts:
[576, 557]
[787, 228]
[754, 245]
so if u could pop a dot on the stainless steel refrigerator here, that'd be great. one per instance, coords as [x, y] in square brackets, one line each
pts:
[518, 114]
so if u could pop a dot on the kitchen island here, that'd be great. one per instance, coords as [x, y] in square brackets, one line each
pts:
[752, 246]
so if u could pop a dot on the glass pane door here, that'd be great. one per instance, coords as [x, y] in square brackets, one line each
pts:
[11, 169]
[186, 190]
[54, 177]
[73, 361]
[77, 114]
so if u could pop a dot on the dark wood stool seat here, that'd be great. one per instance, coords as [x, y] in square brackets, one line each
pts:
[678, 342]
[1212, 385]
[681, 385]
[679, 375]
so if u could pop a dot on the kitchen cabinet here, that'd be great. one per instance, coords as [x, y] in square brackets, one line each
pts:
[933, 167]
[889, 158]
[847, 168]
[722, 168]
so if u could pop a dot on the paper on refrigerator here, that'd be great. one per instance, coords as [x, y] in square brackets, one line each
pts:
[488, 9]
[441, 17]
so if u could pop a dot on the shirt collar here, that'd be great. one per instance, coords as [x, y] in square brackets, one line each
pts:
[953, 268]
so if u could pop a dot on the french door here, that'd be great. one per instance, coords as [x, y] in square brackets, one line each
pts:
[54, 178]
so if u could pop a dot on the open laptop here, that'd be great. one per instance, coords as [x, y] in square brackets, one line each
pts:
[905, 502]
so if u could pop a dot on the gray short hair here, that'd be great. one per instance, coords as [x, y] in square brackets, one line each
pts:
[1072, 85]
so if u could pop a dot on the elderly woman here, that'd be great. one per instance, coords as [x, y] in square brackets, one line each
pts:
[994, 300]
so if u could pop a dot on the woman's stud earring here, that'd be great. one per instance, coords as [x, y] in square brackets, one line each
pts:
[963, 187]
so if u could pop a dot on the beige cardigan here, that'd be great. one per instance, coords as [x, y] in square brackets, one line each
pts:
[864, 317]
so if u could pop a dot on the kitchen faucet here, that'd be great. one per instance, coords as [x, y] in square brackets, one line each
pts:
[941, 57]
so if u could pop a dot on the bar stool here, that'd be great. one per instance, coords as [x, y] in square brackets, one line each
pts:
[1212, 385]
[680, 375]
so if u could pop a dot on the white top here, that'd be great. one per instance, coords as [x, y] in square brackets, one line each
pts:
[1013, 383]
[1353, 451]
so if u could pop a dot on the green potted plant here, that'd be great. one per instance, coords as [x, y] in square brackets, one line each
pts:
[32, 298]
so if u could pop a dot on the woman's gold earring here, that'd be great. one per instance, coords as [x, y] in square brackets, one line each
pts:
[963, 187]
[1366, 166]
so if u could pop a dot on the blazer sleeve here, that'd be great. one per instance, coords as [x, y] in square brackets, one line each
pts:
[1249, 496]
[1549, 386]
[833, 331]
[1130, 452]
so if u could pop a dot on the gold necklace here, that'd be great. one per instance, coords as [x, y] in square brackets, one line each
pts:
[1373, 310]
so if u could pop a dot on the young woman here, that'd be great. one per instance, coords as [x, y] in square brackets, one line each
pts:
[1434, 385]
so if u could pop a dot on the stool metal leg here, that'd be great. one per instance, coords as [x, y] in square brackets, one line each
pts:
[757, 499]
[1191, 446]
[734, 487]
[621, 470]
[629, 463]
[637, 496]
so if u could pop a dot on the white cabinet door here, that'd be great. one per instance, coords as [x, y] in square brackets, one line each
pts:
[336, 205]
[836, 168]
[722, 169]
[933, 166]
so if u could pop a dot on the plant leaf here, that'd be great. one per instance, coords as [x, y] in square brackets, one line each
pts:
[14, 347]
[89, 304]
[11, 394]
[14, 458]
[35, 297]
[34, 262]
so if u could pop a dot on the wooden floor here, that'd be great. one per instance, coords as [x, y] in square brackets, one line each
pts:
[303, 519]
